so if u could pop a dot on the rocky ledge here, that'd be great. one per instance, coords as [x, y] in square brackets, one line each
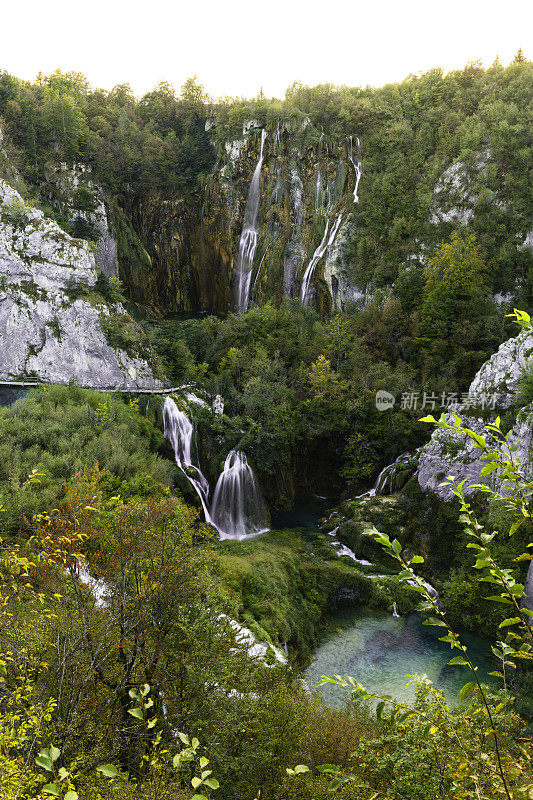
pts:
[498, 379]
[54, 326]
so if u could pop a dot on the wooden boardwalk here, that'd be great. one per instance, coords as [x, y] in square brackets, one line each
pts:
[30, 384]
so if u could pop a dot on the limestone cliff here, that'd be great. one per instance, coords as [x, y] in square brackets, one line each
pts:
[54, 326]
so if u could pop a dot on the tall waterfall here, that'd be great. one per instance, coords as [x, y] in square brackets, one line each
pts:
[248, 240]
[238, 509]
[179, 430]
[306, 293]
[319, 197]
[358, 167]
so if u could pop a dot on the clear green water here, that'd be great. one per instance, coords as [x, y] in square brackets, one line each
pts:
[379, 651]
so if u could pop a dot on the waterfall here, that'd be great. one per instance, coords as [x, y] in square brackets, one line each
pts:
[238, 509]
[395, 611]
[259, 270]
[277, 140]
[179, 430]
[306, 291]
[358, 168]
[275, 193]
[248, 240]
[386, 476]
[319, 199]
[294, 253]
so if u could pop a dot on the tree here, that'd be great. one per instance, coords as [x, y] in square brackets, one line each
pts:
[454, 317]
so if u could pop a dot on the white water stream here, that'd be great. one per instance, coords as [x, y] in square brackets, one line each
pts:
[248, 241]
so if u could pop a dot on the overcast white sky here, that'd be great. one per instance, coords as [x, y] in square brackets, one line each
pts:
[238, 46]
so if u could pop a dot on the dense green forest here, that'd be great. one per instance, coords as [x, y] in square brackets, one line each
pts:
[124, 671]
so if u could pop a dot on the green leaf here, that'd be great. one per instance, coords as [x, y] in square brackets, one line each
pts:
[44, 762]
[184, 738]
[151, 723]
[417, 560]
[467, 690]
[488, 468]
[214, 784]
[136, 712]
[196, 782]
[203, 762]
[514, 527]
[108, 771]
[500, 599]
[299, 768]
[459, 661]
[54, 753]
[510, 621]
[71, 796]
[51, 788]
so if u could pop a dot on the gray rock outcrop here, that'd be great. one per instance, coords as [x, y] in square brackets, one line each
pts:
[52, 324]
[495, 385]
[80, 199]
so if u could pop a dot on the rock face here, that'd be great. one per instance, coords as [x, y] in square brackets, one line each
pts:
[306, 182]
[495, 386]
[52, 323]
[73, 192]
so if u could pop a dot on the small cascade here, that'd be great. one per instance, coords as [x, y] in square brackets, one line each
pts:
[358, 167]
[395, 611]
[385, 479]
[277, 188]
[248, 240]
[179, 430]
[294, 254]
[259, 270]
[277, 140]
[319, 198]
[238, 509]
[307, 289]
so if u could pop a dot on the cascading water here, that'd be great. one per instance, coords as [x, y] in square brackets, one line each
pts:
[248, 240]
[179, 430]
[294, 254]
[306, 293]
[387, 475]
[358, 167]
[238, 509]
[277, 188]
[319, 199]
[277, 140]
